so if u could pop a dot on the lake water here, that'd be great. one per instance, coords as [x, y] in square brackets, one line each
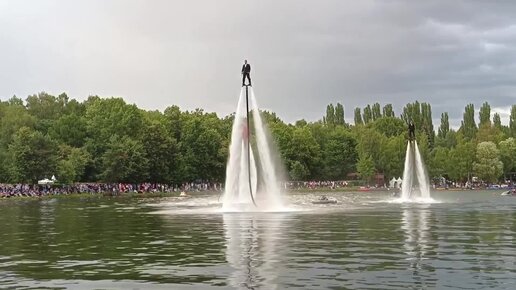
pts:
[464, 241]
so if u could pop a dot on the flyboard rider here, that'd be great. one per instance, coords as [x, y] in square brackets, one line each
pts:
[411, 131]
[246, 71]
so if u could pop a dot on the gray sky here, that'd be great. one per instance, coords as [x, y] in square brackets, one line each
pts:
[304, 54]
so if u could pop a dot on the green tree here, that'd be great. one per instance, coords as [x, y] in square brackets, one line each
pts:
[370, 143]
[301, 123]
[203, 155]
[70, 129]
[487, 132]
[72, 163]
[162, 152]
[393, 155]
[304, 148]
[427, 123]
[368, 115]
[298, 171]
[388, 111]
[438, 165]
[173, 121]
[46, 108]
[330, 115]
[376, 111]
[512, 121]
[124, 161]
[508, 155]
[443, 132]
[461, 160]
[106, 118]
[488, 166]
[468, 126]
[12, 118]
[365, 167]
[34, 156]
[339, 115]
[338, 154]
[412, 112]
[15, 101]
[390, 126]
[358, 117]
[485, 114]
[497, 121]
[444, 128]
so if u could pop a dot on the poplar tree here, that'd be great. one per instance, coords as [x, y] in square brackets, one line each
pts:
[368, 114]
[468, 126]
[339, 114]
[444, 128]
[358, 117]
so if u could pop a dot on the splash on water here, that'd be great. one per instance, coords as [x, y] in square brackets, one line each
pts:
[252, 182]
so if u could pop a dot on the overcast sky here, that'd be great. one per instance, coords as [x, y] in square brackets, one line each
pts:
[304, 54]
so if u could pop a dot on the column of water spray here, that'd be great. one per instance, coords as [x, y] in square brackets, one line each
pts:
[271, 189]
[237, 189]
[415, 179]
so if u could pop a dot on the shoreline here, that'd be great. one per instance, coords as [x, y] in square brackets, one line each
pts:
[211, 192]
[104, 195]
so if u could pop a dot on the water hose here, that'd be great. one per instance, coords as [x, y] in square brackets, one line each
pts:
[248, 145]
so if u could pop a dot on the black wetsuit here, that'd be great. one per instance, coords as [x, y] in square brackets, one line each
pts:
[246, 70]
[412, 132]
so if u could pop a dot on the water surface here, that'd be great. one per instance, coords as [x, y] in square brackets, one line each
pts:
[463, 241]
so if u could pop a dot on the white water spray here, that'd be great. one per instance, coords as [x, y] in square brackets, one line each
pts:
[416, 185]
[265, 187]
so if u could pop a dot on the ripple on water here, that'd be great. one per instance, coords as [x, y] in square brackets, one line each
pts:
[466, 240]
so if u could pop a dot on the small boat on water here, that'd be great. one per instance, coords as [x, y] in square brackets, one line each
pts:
[510, 192]
[324, 200]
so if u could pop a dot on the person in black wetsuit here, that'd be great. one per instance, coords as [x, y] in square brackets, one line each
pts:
[411, 131]
[246, 70]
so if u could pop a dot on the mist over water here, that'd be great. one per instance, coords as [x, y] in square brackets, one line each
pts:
[251, 173]
[415, 185]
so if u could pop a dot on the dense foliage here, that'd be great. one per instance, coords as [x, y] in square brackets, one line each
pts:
[106, 139]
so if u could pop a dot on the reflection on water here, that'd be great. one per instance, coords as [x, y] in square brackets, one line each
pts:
[252, 249]
[416, 228]
[414, 223]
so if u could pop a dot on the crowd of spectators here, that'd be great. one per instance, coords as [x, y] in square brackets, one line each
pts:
[11, 190]
[315, 184]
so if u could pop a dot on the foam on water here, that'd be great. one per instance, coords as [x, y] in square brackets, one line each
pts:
[414, 200]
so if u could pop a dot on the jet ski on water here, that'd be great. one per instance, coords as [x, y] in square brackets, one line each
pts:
[325, 200]
[510, 192]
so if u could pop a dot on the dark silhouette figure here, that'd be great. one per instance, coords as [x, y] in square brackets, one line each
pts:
[411, 131]
[246, 70]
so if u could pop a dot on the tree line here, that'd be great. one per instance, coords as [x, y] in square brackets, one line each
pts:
[108, 140]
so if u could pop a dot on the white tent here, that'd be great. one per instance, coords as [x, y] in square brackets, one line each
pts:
[45, 181]
[399, 181]
[392, 182]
